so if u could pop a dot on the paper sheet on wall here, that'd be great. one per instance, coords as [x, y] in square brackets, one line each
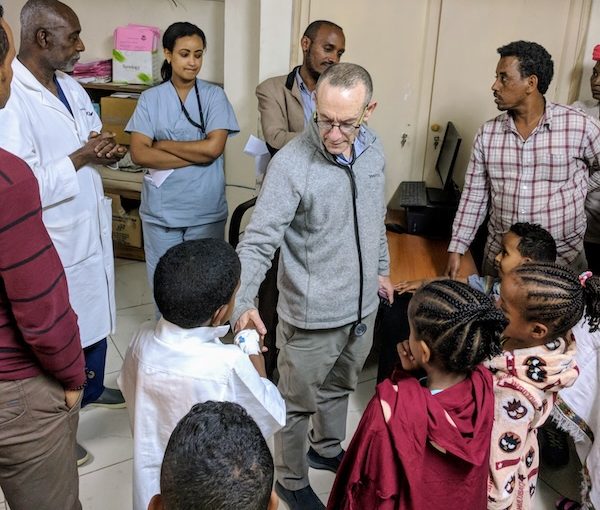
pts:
[159, 176]
[257, 148]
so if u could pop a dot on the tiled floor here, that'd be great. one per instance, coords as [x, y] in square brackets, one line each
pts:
[105, 482]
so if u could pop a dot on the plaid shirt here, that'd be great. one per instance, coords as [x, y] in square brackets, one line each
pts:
[543, 179]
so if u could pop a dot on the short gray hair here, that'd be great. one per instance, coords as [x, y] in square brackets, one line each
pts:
[346, 76]
[35, 14]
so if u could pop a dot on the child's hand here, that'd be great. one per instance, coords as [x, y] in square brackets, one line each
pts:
[406, 358]
[408, 286]
[248, 341]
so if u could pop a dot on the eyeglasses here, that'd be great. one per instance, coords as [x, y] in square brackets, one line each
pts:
[347, 128]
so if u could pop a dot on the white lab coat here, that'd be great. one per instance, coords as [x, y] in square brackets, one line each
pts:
[168, 369]
[36, 126]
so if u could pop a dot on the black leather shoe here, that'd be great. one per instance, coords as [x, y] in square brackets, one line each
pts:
[315, 461]
[110, 398]
[302, 499]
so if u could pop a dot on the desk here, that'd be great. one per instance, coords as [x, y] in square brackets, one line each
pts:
[415, 257]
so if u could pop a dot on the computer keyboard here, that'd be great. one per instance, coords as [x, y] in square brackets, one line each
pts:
[412, 194]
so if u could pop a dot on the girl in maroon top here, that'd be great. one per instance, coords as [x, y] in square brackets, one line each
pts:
[424, 444]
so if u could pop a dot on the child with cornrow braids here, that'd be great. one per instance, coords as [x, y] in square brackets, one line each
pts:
[424, 444]
[542, 302]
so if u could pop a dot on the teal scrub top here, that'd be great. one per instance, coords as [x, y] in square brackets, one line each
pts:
[195, 194]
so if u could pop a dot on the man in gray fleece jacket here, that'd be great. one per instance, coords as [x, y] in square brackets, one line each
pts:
[322, 202]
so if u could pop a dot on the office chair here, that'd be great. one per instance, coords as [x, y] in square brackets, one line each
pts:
[236, 221]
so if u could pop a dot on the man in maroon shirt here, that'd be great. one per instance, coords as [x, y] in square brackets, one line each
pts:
[41, 360]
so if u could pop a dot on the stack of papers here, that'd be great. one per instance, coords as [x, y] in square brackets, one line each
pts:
[96, 71]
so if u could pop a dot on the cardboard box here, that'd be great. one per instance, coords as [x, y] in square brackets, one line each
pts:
[115, 113]
[126, 225]
[142, 67]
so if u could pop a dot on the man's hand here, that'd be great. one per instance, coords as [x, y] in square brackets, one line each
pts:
[453, 265]
[100, 149]
[386, 289]
[408, 286]
[110, 150]
[71, 397]
[250, 319]
[406, 357]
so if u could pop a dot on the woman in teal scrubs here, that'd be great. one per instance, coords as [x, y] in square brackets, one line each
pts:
[179, 130]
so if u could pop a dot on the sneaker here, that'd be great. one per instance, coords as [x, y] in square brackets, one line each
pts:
[302, 499]
[554, 445]
[83, 456]
[110, 398]
[315, 461]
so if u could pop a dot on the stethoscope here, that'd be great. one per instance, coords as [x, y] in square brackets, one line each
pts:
[359, 328]
[200, 126]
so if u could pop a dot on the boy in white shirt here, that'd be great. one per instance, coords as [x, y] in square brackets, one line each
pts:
[181, 361]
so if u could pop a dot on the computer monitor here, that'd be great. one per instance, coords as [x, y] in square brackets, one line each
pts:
[445, 166]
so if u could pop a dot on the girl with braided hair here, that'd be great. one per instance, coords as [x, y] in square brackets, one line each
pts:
[424, 444]
[577, 408]
[542, 302]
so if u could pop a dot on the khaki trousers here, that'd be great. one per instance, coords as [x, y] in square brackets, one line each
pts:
[317, 371]
[38, 465]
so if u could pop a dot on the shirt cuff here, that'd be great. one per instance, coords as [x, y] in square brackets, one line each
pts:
[458, 246]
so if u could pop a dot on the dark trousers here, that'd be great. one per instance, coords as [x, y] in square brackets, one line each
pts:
[268, 294]
[38, 465]
[95, 361]
[391, 328]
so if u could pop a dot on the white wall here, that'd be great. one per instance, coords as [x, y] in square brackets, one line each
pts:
[275, 38]
[241, 76]
[99, 19]
[592, 39]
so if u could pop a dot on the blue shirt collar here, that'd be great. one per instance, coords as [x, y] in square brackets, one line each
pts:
[308, 98]
[360, 144]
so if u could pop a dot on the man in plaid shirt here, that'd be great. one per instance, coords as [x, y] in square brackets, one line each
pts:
[529, 164]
